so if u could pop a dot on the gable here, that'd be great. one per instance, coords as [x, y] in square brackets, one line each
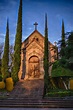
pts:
[38, 38]
[34, 33]
[34, 45]
[34, 36]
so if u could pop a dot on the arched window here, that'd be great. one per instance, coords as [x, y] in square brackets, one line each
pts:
[33, 59]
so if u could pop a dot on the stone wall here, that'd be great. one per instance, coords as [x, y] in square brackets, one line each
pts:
[34, 46]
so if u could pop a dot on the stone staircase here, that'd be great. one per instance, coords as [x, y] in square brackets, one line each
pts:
[29, 89]
[36, 103]
[28, 94]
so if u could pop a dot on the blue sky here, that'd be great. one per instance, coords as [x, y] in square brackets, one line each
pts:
[34, 11]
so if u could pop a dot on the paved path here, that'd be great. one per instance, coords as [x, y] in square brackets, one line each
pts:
[28, 89]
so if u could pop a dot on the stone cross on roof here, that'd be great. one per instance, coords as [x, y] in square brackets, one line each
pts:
[35, 24]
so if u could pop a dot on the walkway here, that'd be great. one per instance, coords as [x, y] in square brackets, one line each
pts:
[28, 89]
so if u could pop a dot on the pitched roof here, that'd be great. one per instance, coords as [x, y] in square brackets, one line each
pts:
[32, 34]
[38, 33]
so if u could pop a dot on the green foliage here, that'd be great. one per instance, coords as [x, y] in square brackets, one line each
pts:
[5, 59]
[17, 47]
[69, 52]
[46, 53]
[55, 65]
[69, 47]
[59, 93]
[63, 36]
[62, 41]
[58, 70]
[66, 52]
[46, 59]
[70, 39]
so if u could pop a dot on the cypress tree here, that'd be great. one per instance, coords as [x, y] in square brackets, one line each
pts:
[63, 35]
[5, 59]
[62, 52]
[46, 58]
[17, 47]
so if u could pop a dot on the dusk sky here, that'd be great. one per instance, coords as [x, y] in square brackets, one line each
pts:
[34, 11]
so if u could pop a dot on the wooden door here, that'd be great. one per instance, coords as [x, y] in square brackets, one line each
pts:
[34, 67]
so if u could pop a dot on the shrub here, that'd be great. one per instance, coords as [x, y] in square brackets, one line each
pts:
[2, 85]
[9, 84]
[59, 93]
[59, 71]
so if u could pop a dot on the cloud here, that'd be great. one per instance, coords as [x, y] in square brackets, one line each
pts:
[69, 27]
[2, 37]
[30, 28]
[11, 38]
[2, 34]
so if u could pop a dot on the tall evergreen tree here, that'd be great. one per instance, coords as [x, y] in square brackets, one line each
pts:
[62, 40]
[17, 47]
[46, 58]
[69, 51]
[5, 59]
[63, 35]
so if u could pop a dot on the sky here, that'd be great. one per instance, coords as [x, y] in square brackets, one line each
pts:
[34, 11]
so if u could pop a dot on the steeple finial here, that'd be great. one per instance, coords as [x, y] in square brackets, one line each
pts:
[35, 24]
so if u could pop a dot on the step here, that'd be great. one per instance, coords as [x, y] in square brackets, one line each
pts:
[36, 103]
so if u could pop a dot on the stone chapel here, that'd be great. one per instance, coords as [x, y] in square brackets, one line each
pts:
[32, 53]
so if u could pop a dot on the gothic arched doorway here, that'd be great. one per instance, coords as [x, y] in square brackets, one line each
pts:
[34, 67]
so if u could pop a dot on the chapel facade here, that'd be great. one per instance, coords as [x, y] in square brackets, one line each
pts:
[32, 54]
